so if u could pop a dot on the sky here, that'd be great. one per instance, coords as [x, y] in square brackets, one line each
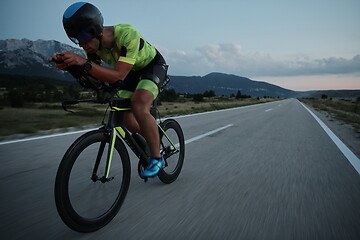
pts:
[298, 45]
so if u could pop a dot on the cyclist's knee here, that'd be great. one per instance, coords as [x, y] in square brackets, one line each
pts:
[142, 96]
[140, 111]
[141, 102]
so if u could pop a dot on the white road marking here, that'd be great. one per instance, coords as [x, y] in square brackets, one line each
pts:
[268, 110]
[353, 159]
[207, 134]
[81, 131]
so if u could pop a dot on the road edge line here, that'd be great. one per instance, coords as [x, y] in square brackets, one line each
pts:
[46, 136]
[351, 157]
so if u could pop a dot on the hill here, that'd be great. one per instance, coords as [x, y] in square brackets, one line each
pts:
[227, 84]
[34, 55]
[29, 58]
[25, 57]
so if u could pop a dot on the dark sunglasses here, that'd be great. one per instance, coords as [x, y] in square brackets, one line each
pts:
[82, 37]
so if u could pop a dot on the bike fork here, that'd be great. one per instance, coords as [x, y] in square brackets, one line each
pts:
[109, 157]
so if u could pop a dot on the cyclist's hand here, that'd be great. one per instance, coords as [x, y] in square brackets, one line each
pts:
[71, 59]
[58, 59]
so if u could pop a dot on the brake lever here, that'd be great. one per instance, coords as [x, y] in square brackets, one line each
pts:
[64, 105]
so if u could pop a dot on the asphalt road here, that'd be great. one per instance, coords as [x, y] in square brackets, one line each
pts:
[270, 173]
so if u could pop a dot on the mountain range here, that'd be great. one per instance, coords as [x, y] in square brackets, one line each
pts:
[26, 57]
[227, 84]
[30, 58]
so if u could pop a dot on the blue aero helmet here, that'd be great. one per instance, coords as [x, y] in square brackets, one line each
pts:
[82, 21]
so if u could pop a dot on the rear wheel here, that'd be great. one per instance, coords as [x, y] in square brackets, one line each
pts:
[87, 202]
[172, 148]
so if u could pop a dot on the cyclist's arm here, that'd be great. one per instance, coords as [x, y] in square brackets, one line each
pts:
[111, 75]
[102, 73]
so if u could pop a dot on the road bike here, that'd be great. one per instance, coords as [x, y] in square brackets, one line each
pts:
[94, 175]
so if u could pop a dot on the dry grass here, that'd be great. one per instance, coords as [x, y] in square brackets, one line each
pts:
[31, 120]
[51, 116]
[187, 106]
[344, 110]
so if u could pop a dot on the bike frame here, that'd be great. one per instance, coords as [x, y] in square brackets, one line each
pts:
[115, 129]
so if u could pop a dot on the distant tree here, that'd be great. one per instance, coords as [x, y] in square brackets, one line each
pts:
[238, 94]
[209, 93]
[30, 94]
[168, 95]
[58, 95]
[71, 92]
[198, 97]
[188, 95]
[324, 96]
[16, 98]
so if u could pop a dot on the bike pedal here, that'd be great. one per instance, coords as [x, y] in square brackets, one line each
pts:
[104, 179]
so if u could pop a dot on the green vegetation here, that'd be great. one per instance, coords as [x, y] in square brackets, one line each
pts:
[31, 104]
[46, 116]
[342, 109]
[18, 91]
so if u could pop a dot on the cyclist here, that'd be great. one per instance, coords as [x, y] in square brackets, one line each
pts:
[137, 63]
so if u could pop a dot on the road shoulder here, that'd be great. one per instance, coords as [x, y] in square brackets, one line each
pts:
[344, 131]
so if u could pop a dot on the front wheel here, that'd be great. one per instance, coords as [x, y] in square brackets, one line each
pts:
[85, 198]
[172, 148]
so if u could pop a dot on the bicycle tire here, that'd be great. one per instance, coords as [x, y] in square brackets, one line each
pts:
[68, 181]
[174, 163]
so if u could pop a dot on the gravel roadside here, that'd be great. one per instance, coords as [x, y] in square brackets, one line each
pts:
[344, 131]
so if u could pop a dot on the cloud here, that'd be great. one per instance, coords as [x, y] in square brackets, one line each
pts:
[331, 65]
[230, 58]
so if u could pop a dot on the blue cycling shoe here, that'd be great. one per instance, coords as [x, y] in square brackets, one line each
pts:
[153, 168]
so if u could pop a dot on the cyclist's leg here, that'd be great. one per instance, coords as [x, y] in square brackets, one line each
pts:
[141, 101]
[146, 92]
[139, 119]
[129, 120]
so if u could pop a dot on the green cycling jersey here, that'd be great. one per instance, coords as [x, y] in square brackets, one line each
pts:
[130, 47]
